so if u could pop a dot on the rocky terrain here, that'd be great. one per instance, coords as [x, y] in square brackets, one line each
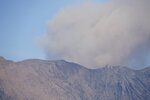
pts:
[60, 80]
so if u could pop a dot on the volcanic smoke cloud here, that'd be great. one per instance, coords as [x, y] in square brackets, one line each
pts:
[116, 32]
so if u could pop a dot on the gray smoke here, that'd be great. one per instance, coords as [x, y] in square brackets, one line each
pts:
[96, 34]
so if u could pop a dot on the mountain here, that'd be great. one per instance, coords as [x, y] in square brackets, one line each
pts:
[60, 80]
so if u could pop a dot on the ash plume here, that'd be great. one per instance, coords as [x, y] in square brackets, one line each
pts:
[116, 32]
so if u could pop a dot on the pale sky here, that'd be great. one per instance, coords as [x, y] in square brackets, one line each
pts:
[22, 21]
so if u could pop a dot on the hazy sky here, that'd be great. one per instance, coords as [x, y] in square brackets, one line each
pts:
[22, 21]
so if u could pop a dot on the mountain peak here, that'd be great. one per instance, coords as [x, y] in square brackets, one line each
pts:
[2, 58]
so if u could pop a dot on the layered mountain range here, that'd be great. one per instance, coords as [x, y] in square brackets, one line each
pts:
[36, 79]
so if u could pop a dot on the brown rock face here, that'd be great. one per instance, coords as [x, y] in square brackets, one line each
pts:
[60, 80]
[2, 58]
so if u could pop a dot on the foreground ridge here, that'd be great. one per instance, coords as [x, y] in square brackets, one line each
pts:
[37, 79]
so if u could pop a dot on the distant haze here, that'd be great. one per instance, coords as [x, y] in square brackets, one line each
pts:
[116, 32]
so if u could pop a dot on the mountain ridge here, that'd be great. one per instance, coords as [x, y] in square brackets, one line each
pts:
[107, 66]
[36, 79]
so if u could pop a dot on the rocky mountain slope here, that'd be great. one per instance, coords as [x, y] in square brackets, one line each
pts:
[60, 80]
